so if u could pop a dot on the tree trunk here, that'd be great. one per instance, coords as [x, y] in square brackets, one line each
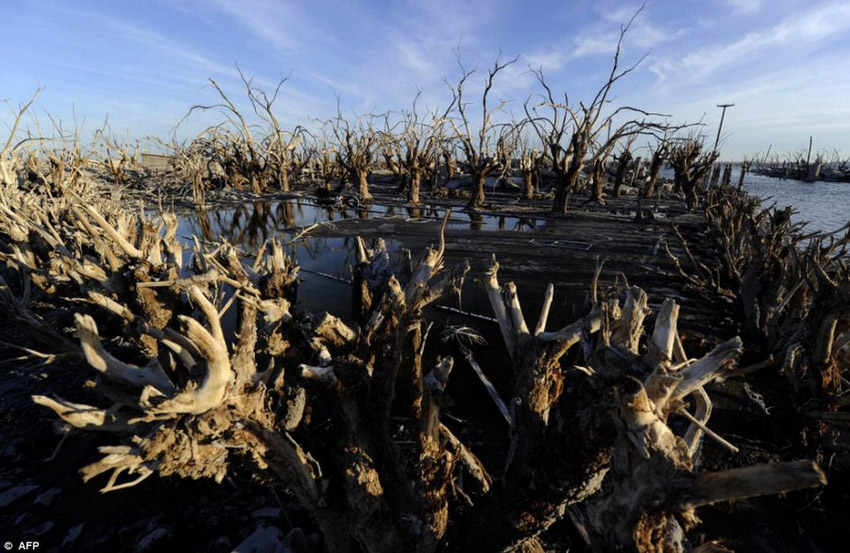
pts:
[528, 184]
[413, 191]
[565, 184]
[625, 159]
[562, 194]
[283, 178]
[255, 185]
[637, 172]
[363, 186]
[402, 183]
[598, 195]
[450, 165]
[654, 168]
[478, 180]
[688, 187]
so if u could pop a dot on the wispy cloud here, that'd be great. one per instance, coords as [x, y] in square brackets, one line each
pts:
[157, 42]
[808, 28]
[746, 7]
[602, 37]
[270, 22]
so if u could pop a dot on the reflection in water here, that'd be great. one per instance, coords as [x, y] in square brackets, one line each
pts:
[525, 223]
[250, 224]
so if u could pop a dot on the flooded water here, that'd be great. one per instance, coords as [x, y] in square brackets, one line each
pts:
[251, 224]
[825, 205]
[326, 261]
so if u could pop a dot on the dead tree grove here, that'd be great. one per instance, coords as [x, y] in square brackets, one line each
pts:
[572, 135]
[348, 416]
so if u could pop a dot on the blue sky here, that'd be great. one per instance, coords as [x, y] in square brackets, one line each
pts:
[144, 63]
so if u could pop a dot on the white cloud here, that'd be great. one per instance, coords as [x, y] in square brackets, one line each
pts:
[744, 7]
[153, 40]
[798, 29]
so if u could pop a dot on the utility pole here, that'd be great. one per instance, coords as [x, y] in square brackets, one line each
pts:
[722, 115]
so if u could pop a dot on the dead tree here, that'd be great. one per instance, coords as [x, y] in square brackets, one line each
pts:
[572, 135]
[597, 178]
[279, 144]
[480, 160]
[421, 142]
[204, 401]
[118, 156]
[10, 161]
[243, 158]
[659, 156]
[690, 166]
[623, 163]
[565, 453]
[357, 144]
[530, 163]
[745, 168]
[447, 152]
[391, 152]
[793, 293]
[590, 402]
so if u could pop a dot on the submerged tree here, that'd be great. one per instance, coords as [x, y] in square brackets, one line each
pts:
[691, 165]
[478, 147]
[421, 142]
[573, 136]
[357, 144]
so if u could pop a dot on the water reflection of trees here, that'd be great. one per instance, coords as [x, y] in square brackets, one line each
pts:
[251, 224]
[476, 221]
[318, 248]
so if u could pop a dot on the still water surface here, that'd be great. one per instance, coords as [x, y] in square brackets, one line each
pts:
[825, 205]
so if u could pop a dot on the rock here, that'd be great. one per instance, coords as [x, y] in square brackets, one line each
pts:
[265, 539]
[47, 497]
[72, 535]
[266, 512]
[13, 494]
[153, 535]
